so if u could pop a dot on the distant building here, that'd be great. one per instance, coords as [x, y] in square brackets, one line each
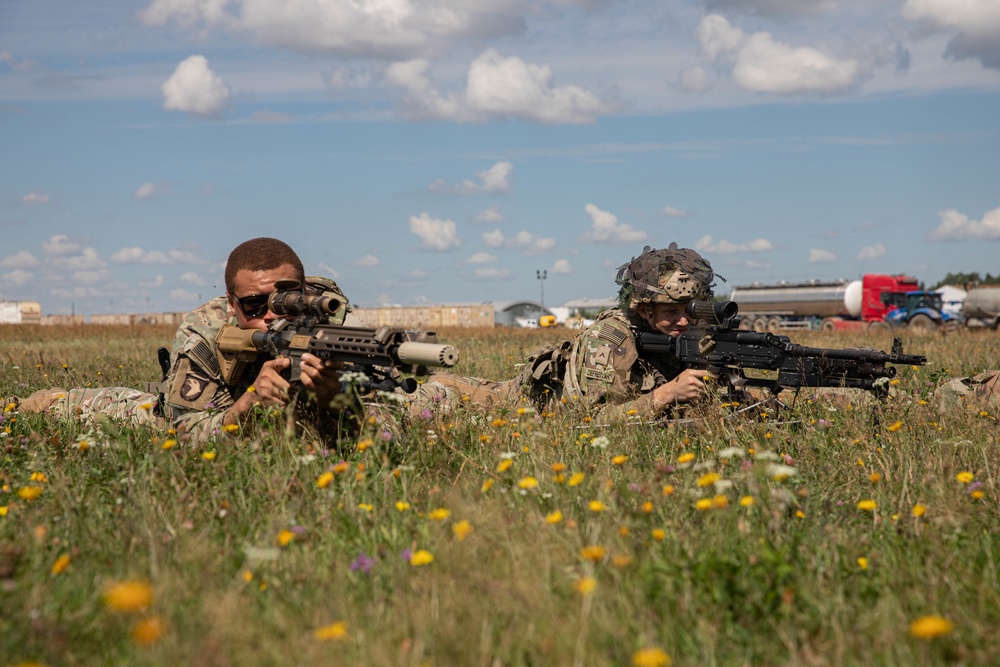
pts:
[20, 312]
[519, 313]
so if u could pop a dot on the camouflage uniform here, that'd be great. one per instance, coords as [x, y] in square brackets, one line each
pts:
[196, 396]
[979, 391]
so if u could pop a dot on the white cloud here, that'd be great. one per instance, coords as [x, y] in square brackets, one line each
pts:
[184, 296]
[820, 256]
[136, 255]
[605, 228]
[434, 233]
[497, 88]
[382, 29]
[871, 252]
[481, 258]
[189, 277]
[15, 65]
[18, 277]
[59, 246]
[22, 260]
[561, 266]
[531, 244]
[491, 216]
[35, 197]
[775, 8]
[672, 212]
[759, 266]
[973, 24]
[194, 88]
[491, 274]
[493, 239]
[328, 271]
[495, 180]
[368, 261]
[150, 190]
[724, 247]
[762, 64]
[957, 226]
[695, 80]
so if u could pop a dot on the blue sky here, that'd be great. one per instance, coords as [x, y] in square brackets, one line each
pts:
[442, 151]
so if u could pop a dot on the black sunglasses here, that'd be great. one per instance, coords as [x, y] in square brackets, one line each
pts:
[253, 306]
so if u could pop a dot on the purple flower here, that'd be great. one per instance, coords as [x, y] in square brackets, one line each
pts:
[363, 563]
[385, 435]
[426, 414]
[824, 423]
[634, 487]
[975, 485]
[746, 465]
[210, 406]
[407, 555]
[298, 530]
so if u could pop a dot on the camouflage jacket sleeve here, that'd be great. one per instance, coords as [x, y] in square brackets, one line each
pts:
[197, 397]
[606, 373]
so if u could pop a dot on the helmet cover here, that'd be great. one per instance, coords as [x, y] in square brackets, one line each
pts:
[671, 275]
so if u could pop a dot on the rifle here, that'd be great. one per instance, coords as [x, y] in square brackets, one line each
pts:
[304, 326]
[722, 348]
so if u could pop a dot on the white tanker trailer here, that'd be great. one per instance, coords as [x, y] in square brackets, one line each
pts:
[818, 305]
[983, 303]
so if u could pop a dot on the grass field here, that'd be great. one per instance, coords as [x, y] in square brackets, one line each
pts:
[501, 538]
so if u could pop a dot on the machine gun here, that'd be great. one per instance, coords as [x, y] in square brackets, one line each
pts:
[719, 346]
[304, 326]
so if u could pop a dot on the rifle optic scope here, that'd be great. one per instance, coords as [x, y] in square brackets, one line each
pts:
[293, 303]
[714, 312]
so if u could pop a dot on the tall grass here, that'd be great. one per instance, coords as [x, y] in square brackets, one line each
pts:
[550, 539]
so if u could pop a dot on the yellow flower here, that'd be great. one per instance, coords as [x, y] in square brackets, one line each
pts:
[929, 627]
[340, 467]
[440, 514]
[168, 444]
[659, 534]
[128, 596]
[593, 552]
[651, 657]
[485, 439]
[892, 428]
[528, 483]
[231, 428]
[39, 477]
[575, 479]
[746, 501]
[596, 506]
[863, 563]
[461, 529]
[505, 465]
[3, 510]
[402, 505]
[800, 514]
[685, 458]
[146, 406]
[554, 517]
[965, 477]
[632, 413]
[285, 537]
[247, 576]
[61, 564]
[208, 456]
[331, 633]
[147, 631]
[867, 505]
[875, 478]
[704, 504]
[720, 501]
[919, 510]
[621, 560]
[487, 485]
[978, 494]
[619, 460]
[421, 557]
[585, 585]
[366, 507]
[623, 531]
[708, 479]
[668, 490]
[324, 480]
[29, 493]
[558, 467]
[647, 507]
[558, 479]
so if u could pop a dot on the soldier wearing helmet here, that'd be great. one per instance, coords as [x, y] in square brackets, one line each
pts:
[605, 369]
[600, 369]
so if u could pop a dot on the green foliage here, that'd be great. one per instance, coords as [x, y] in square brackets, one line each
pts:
[965, 278]
[708, 551]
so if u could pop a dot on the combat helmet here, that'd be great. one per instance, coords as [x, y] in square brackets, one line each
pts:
[670, 275]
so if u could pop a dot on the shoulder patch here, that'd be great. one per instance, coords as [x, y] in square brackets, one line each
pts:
[612, 334]
[193, 386]
[205, 357]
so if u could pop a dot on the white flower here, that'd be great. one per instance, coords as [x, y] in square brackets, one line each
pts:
[766, 456]
[779, 471]
[730, 452]
[600, 442]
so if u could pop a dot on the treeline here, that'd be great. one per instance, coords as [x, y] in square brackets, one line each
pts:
[968, 278]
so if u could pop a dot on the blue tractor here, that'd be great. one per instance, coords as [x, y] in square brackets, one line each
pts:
[919, 310]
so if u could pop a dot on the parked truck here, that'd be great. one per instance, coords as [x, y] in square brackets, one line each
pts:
[982, 305]
[828, 306]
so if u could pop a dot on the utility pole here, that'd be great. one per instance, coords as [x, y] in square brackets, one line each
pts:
[542, 275]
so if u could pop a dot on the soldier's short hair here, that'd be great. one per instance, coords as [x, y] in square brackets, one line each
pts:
[260, 254]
